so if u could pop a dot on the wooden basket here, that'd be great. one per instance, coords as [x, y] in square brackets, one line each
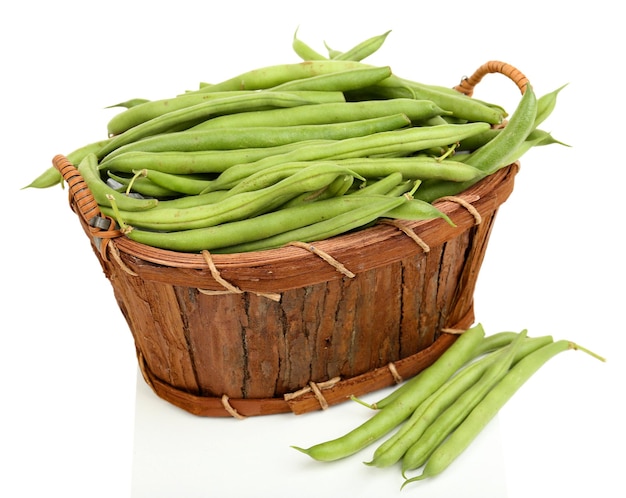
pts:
[302, 327]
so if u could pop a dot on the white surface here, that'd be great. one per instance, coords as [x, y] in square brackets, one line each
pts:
[554, 264]
[177, 454]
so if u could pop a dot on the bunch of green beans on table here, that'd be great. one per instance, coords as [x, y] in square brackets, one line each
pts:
[439, 412]
[288, 152]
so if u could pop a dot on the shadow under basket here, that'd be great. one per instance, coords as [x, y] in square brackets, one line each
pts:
[302, 327]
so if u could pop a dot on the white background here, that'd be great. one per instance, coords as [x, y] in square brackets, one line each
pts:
[554, 263]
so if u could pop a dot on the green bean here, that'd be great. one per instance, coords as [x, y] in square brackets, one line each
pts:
[495, 154]
[488, 344]
[334, 112]
[51, 176]
[261, 136]
[363, 49]
[88, 169]
[489, 406]
[414, 168]
[46, 179]
[266, 77]
[342, 81]
[401, 408]
[394, 448]
[225, 235]
[203, 161]
[452, 415]
[237, 206]
[304, 51]
[195, 113]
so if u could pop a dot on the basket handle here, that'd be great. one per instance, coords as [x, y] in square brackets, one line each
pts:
[83, 202]
[468, 83]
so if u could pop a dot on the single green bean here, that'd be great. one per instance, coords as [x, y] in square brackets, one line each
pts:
[414, 168]
[363, 49]
[450, 417]
[51, 176]
[401, 408]
[496, 153]
[333, 112]
[342, 81]
[266, 77]
[46, 179]
[489, 406]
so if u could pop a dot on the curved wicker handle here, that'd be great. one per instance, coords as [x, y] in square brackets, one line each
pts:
[83, 202]
[467, 84]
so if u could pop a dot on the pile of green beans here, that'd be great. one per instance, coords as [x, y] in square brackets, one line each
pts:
[439, 412]
[226, 167]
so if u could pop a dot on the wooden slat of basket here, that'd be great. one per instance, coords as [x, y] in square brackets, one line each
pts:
[211, 406]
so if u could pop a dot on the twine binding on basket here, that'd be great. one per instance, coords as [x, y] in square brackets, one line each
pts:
[230, 288]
